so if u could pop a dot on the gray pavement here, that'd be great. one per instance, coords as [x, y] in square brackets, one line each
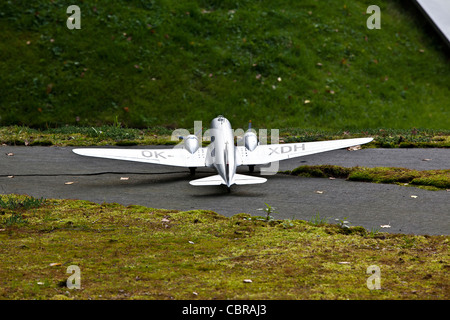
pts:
[43, 172]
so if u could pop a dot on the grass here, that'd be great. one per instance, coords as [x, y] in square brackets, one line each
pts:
[428, 179]
[283, 64]
[14, 203]
[137, 252]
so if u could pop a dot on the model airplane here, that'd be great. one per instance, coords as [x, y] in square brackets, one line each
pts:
[222, 154]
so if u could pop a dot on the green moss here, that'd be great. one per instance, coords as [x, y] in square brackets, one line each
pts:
[441, 181]
[354, 230]
[41, 143]
[432, 179]
[114, 135]
[383, 175]
[323, 171]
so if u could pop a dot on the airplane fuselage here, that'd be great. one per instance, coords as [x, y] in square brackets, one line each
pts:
[221, 154]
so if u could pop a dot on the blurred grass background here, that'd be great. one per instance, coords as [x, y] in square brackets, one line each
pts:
[301, 64]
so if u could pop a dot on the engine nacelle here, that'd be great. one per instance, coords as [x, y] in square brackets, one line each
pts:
[191, 143]
[250, 140]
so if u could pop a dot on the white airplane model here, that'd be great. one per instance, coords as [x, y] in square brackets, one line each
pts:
[222, 154]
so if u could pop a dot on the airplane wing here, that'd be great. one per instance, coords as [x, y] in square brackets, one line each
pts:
[172, 157]
[263, 154]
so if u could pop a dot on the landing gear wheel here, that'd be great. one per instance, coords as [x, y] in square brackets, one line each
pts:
[192, 170]
[251, 168]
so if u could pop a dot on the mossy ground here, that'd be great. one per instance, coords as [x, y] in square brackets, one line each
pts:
[137, 252]
[428, 179]
[118, 135]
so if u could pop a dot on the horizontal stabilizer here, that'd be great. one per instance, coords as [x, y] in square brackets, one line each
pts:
[243, 179]
[217, 180]
[208, 181]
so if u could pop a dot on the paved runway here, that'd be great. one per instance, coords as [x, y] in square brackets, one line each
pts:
[43, 172]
